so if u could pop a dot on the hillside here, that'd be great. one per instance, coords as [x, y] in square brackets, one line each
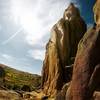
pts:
[17, 80]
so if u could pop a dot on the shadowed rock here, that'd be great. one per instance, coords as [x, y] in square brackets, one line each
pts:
[86, 71]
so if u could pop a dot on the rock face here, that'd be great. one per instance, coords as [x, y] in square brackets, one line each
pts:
[97, 12]
[86, 71]
[61, 49]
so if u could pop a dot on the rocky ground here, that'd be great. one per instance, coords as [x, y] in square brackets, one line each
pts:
[18, 85]
[12, 95]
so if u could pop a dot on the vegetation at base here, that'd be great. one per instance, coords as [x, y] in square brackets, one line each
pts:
[18, 80]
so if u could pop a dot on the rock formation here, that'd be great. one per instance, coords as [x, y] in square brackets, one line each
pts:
[61, 50]
[97, 12]
[86, 71]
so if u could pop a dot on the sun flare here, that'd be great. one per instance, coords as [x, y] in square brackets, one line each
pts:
[26, 17]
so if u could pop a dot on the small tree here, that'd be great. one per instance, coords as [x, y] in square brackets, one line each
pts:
[16, 87]
[26, 88]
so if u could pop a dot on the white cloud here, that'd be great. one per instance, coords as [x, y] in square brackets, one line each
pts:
[36, 54]
[0, 27]
[89, 25]
[37, 18]
[8, 57]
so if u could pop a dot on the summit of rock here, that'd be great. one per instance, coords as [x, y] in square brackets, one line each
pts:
[71, 12]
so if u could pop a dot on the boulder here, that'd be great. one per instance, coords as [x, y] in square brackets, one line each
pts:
[96, 95]
[62, 94]
[86, 70]
[9, 95]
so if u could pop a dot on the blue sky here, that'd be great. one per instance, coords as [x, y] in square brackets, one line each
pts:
[25, 29]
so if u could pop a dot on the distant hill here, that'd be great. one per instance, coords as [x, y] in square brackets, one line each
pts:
[17, 80]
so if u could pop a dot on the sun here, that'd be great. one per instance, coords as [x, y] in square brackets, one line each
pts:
[25, 16]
